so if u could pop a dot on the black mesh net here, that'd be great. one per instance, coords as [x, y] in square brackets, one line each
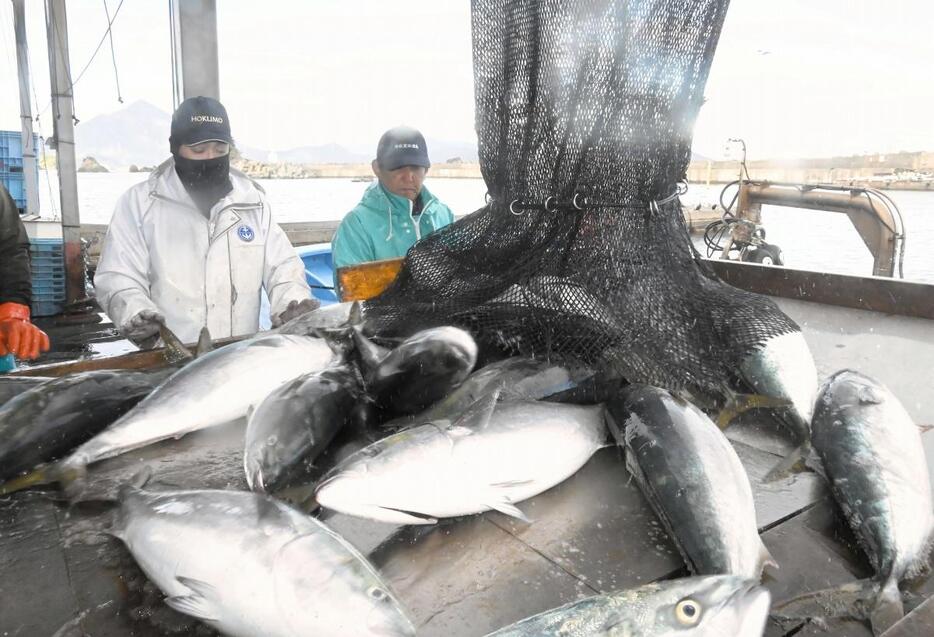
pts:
[585, 110]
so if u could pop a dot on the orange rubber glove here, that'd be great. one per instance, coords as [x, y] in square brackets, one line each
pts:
[17, 335]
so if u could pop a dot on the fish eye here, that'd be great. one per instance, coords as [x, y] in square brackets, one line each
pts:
[688, 612]
[377, 593]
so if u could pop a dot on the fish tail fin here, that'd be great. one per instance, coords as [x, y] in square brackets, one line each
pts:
[856, 600]
[42, 475]
[794, 462]
[175, 350]
[355, 317]
[740, 403]
[888, 608]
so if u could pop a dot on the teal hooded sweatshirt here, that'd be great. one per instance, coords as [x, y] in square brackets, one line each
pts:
[382, 226]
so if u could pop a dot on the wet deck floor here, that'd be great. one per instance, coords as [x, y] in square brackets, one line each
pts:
[467, 576]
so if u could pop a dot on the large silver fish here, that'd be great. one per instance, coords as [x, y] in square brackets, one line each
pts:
[871, 454]
[213, 389]
[250, 566]
[421, 370]
[326, 317]
[712, 606]
[13, 386]
[516, 378]
[47, 421]
[492, 457]
[693, 479]
[295, 423]
[783, 368]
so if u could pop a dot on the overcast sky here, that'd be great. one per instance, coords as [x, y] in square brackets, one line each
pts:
[794, 78]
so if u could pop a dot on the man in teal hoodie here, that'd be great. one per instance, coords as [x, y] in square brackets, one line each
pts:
[397, 210]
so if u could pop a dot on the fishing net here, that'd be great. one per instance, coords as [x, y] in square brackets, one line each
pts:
[584, 113]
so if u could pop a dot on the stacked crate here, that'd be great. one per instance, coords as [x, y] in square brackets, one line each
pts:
[48, 276]
[11, 165]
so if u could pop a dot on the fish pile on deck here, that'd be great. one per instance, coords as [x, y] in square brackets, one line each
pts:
[431, 438]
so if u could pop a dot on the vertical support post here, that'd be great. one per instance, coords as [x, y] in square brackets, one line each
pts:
[195, 39]
[64, 137]
[25, 112]
[745, 207]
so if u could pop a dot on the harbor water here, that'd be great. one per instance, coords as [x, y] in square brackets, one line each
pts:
[810, 240]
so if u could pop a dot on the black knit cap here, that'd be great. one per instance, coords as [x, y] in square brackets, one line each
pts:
[402, 146]
[199, 119]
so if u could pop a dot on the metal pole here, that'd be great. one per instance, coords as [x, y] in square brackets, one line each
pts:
[196, 47]
[64, 137]
[29, 148]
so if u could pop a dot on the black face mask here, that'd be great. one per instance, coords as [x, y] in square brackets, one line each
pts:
[206, 180]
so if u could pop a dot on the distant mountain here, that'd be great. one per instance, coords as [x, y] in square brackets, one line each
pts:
[137, 134]
[441, 151]
[326, 154]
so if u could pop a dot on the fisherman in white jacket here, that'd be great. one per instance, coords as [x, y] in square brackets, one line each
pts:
[195, 244]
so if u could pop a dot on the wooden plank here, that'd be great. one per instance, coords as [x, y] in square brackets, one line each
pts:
[920, 621]
[31, 567]
[145, 359]
[467, 577]
[891, 296]
[366, 280]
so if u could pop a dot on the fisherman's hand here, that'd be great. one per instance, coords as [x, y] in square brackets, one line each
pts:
[143, 326]
[17, 335]
[295, 308]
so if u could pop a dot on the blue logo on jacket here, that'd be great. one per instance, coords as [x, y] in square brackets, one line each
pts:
[246, 233]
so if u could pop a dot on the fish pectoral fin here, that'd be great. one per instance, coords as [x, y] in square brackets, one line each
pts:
[510, 483]
[479, 413]
[455, 431]
[194, 605]
[415, 516]
[740, 403]
[507, 508]
[198, 603]
[794, 462]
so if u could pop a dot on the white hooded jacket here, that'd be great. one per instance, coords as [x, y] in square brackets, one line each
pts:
[162, 254]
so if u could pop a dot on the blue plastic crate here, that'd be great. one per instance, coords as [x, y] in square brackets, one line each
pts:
[11, 146]
[319, 271]
[11, 164]
[16, 186]
[48, 287]
[45, 308]
[48, 274]
[46, 245]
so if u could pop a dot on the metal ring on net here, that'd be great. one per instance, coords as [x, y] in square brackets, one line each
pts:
[550, 199]
[579, 205]
[668, 199]
[513, 210]
[487, 198]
